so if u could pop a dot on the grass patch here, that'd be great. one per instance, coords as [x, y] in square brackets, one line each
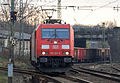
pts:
[20, 64]
[20, 61]
[3, 77]
[3, 61]
[23, 62]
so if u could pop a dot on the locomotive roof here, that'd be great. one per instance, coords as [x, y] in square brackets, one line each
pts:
[51, 25]
[53, 21]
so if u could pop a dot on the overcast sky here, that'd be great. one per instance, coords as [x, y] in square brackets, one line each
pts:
[102, 10]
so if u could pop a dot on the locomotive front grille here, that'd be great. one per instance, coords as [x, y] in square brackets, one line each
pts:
[55, 61]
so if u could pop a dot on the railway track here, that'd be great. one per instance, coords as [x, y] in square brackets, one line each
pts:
[32, 73]
[106, 75]
[54, 79]
[73, 79]
[117, 69]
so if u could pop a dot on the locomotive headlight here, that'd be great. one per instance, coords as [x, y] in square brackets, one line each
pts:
[67, 53]
[43, 53]
[55, 42]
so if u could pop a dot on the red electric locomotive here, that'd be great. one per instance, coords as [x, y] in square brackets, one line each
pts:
[52, 46]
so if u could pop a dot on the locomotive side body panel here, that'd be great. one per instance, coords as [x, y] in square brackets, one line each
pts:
[33, 47]
[72, 41]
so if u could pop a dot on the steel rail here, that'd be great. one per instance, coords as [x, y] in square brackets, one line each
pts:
[75, 79]
[116, 68]
[31, 72]
[110, 76]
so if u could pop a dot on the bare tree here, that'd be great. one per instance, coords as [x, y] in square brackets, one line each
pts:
[109, 24]
[32, 15]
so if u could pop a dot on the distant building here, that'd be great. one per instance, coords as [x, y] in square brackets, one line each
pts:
[4, 42]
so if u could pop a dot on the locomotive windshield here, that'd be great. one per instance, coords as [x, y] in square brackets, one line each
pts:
[52, 33]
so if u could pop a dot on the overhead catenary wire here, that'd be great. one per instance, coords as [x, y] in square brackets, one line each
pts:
[87, 7]
[99, 7]
[50, 4]
[106, 4]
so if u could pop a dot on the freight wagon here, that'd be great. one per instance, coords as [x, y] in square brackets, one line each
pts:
[91, 54]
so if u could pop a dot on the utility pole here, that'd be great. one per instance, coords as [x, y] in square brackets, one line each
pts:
[59, 9]
[12, 34]
[11, 60]
[103, 44]
[21, 29]
[20, 10]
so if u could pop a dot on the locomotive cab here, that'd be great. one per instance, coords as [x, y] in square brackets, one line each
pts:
[52, 45]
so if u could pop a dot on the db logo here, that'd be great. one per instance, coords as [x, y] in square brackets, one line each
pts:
[55, 47]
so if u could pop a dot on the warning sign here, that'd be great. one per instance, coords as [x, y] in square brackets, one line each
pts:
[10, 70]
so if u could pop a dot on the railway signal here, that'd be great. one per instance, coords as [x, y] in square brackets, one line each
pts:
[13, 15]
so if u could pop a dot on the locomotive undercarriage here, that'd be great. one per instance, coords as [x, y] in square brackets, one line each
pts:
[54, 63]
